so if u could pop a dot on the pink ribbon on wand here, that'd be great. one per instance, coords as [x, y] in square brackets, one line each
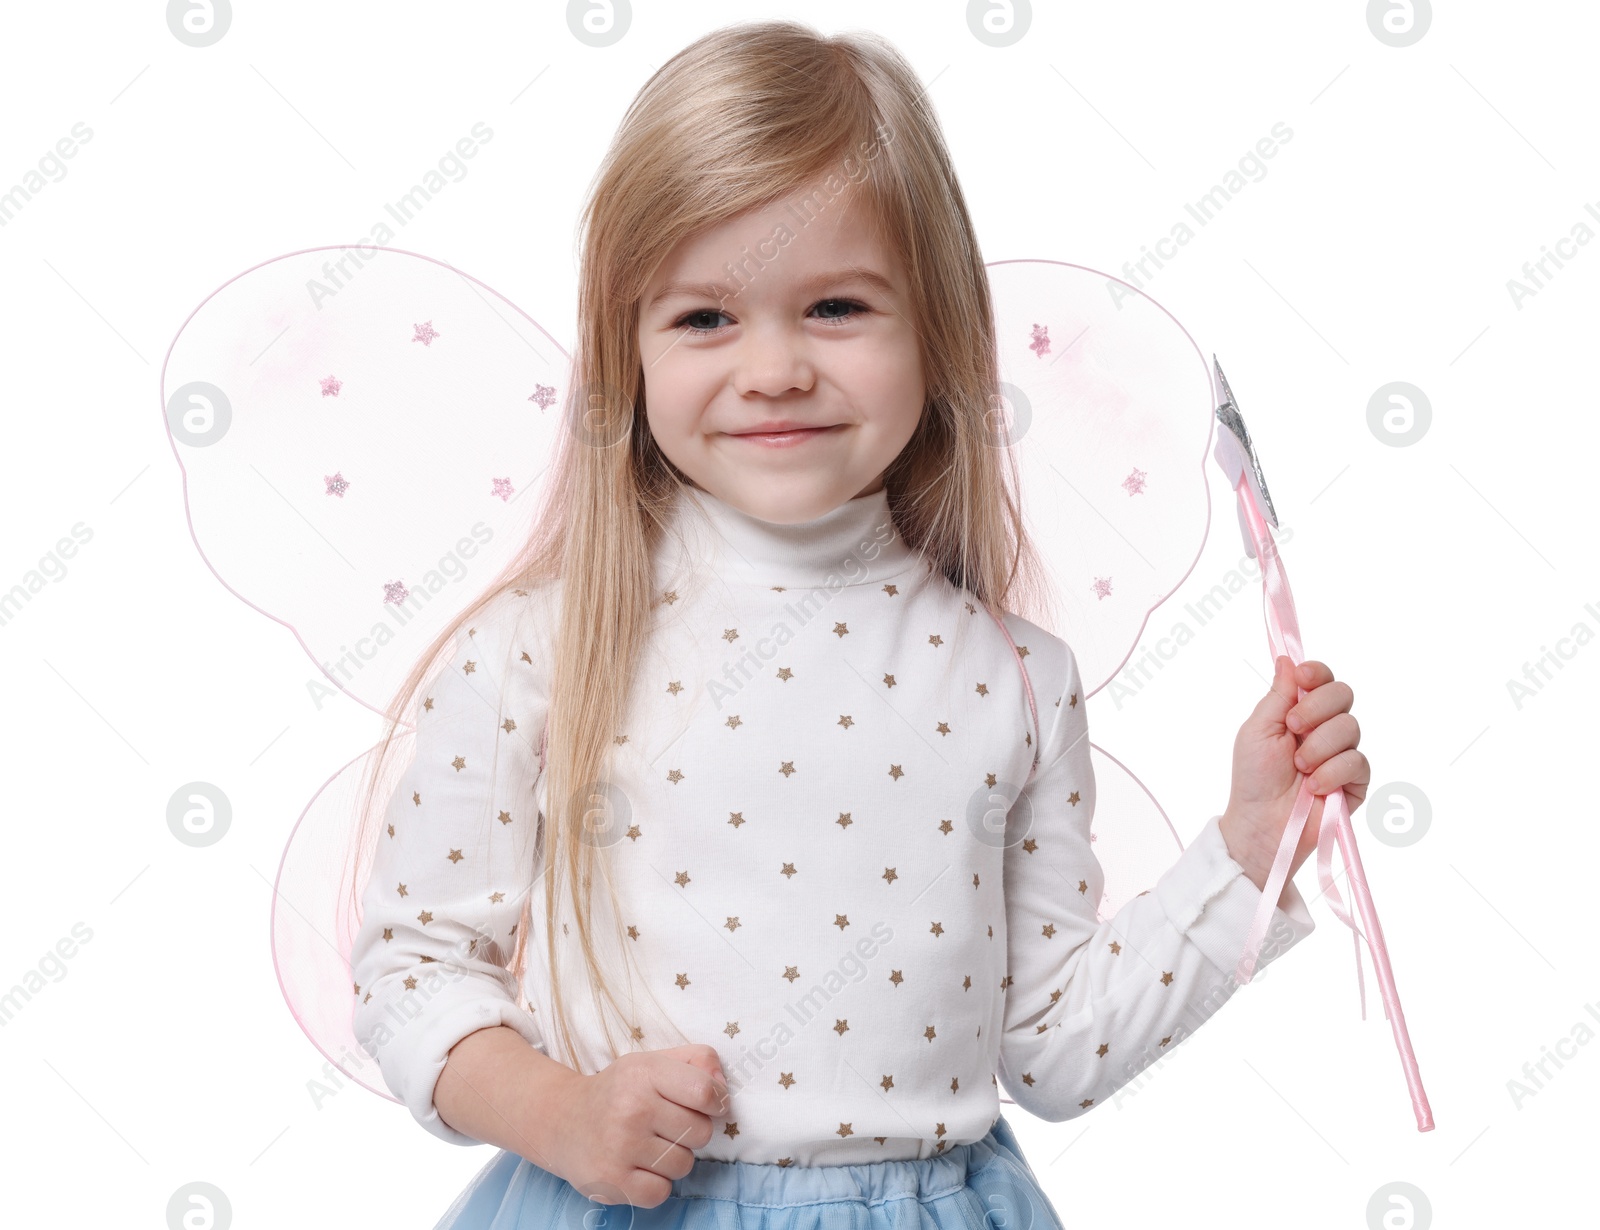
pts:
[1236, 454]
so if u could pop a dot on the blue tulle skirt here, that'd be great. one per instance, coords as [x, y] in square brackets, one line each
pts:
[984, 1185]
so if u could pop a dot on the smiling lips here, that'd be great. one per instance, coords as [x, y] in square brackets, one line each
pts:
[788, 437]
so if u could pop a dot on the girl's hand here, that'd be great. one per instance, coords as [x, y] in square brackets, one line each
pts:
[1283, 738]
[631, 1128]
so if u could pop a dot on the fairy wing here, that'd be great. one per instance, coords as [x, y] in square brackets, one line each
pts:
[364, 432]
[1109, 411]
[363, 435]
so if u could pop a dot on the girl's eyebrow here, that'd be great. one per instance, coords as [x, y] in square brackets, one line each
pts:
[719, 292]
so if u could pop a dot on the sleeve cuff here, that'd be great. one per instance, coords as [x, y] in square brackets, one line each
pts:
[412, 1054]
[1210, 900]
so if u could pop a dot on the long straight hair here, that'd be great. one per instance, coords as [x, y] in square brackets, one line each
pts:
[741, 118]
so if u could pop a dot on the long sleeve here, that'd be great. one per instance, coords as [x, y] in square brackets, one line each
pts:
[1089, 1004]
[455, 862]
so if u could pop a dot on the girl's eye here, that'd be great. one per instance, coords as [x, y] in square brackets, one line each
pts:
[701, 314]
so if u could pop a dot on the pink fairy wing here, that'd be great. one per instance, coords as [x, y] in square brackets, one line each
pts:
[361, 448]
[1108, 406]
[364, 435]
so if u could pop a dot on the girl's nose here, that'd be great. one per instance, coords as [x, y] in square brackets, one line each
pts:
[772, 361]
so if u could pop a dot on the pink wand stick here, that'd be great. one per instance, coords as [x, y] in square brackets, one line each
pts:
[1236, 454]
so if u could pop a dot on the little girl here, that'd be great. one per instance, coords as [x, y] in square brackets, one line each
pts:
[756, 674]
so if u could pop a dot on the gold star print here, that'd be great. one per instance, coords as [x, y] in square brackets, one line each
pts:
[787, 768]
[1083, 886]
[733, 922]
[410, 983]
[891, 590]
[391, 830]
[887, 1082]
[896, 977]
[989, 779]
[730, 635]
[428, 704]
[734, 722]
[942, 728]
[939, 1130]
[731, 1130]
[508, 726]
[618, 740]
[682, 980]
[1073, 798]
[674, 687]
[1049, 931]
[846, 1130]
[894, 772]
[890, 874]
[841, 921]
[945, 826]
[1022, 651]
[470, 666]
[731, 1028]
[839, 1026]
[937, 928]
[929, 1033]
[778, 589]
[1166, 977]
[786, 1161]
[416, 797]
[841, 630]
[455, 856]
[388, 933]
[966, 983]
[785, 673]
[982, 689]
[844, 820]
[846, 721]
[955, 1084]
[971, 610]
[791, 972]
[1029, 844]
[1005, 982]
[633, 932]
[787, 870]
[1073, 703]
[674, 777]
[638, 1034]
[401, 890]
[682, 878]
[786, 1079]
[1102, 1051]
[936, 640]
[357, 991]
[736, 818]
[459, 763]
[669, 596]
[1027, 1079]
[505, 817]
[1166, 1040]
[633, 831]
[1055, 995]
[1115, 947]
[496, 898]
[888, 680]
[368, 998]
[425, 917]
[1086, 1103]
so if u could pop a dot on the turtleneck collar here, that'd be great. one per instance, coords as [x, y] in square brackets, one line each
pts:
[854, 544]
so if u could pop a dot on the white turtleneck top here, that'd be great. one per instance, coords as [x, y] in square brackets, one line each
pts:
[831, 862]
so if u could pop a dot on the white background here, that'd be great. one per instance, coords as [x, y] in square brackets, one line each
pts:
[1377, 248]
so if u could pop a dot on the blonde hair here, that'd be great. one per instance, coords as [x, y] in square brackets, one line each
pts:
[742, 117]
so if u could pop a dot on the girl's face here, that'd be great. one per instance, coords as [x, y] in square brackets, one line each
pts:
[790, 314]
